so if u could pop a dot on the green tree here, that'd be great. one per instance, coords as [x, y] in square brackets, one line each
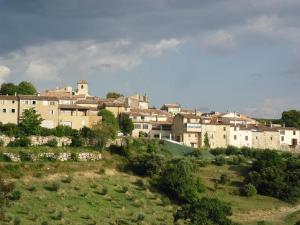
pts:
[206, 140]
[101, 135]
[26, 88]
[206, 211]
[110, 122]
[291, 118]
[30, 121]
[113, 95]
[180, 181]
[9, 89]
[126, 124]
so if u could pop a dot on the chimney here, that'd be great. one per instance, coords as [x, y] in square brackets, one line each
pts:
[271, 124]
[283, 125]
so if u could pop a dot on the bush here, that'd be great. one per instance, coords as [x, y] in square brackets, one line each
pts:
[232, 150]
[21, 142]
[77, 141]
[220, 161]
[179, 180]
[217, 151]
[52, 186]
[248, 190]
[15, 195]
[205, 211]
[52, 143]
[224, 179]
[1, 143]
[24, 156]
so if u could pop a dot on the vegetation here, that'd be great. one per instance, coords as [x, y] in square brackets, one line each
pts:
[291, 118]
[30, 121]
[24, 88]
[126, 124]
[206, 140]
[113, 95]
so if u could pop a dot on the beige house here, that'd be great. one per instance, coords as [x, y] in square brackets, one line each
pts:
[289, 138]
[218, 135]
[77, 116]
[172, 108]
[146, 119]
[187, 129]
[46, 106]
[114, 106]
[9, 109]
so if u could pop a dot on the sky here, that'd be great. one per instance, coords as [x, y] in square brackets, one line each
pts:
[213, 55]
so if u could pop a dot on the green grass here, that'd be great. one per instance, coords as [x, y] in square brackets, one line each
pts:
[82, 200]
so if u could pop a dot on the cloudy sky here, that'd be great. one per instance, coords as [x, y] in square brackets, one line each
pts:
[223, 55]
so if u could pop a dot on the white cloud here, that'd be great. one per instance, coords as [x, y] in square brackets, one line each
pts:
[220, 41]
[272, 107]
[4, 72]
[52, 61]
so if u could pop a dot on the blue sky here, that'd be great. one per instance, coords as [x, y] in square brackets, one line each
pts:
[227, 55]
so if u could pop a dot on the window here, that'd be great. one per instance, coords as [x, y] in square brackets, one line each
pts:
[52, 112]
[212, 136]
[13, 110]
[142, 117]
[4, 110]
[26, 102]
[282, 132]
[282, 138]
[235, 128]
[137, 126]
[224, 136]
[33, 102]
[246, 138]
[224, 128]
[52, 103]
[145, 126]
[13, 102]
[82, 86]
[294, 132]
[271, 138]
[234, 137]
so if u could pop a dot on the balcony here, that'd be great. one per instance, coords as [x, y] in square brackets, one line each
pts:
[192, 127]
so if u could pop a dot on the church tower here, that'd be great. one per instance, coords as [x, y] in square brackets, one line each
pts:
[82, 88]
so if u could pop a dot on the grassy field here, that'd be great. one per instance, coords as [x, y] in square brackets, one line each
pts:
[96, 193]
[86, 193]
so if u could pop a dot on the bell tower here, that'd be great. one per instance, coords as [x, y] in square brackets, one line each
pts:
[82, 88]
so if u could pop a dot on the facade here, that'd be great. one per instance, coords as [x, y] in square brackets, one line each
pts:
[289, 138]
[46, 106]
[172, 108]
[187, 129]
[150, 122]
[217, 135]
[9, 109]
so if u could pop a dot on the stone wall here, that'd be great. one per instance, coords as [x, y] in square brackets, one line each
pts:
[39, 140]
[52, 156]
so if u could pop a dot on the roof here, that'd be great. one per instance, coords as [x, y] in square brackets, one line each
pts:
[82, 82]
[287, 128]
[8, 97]
[172, 105]
[73, 106]
[189, 116]
[257, 128]
[88, 101]
[150, 112]
[36, 97]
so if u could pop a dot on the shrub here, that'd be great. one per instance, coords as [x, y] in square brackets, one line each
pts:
[67, 179]
[24, 156]
[140, 217]
[205, 211]
[74, 157]
[103, 191]
[52, 143]
[77, 141]
[220, 161]
[248, 190]
[54, 186]
[15, 195]
[179, 180]
[1, 143]
[224, 179]
[232, 150]
[217, 151]
[17, 221]
[31, 188]
[21, 142]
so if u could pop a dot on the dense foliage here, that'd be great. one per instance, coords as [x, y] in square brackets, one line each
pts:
[24, 88]
[275, 175]
[113, 95]
[291, 118]
[30, 121]
[126, 124]
[205, 211]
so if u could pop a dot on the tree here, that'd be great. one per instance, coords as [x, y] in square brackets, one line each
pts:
[26, 88]
[110, 122]
[9, 89]
[30, 121]
[206, 211]
[180, 181]
[248, 190]
[206, 140]
[291, 118]
[101, 135]
[126, 124]
[114, 95]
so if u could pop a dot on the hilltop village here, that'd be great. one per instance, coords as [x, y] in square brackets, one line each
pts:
[77, 109]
